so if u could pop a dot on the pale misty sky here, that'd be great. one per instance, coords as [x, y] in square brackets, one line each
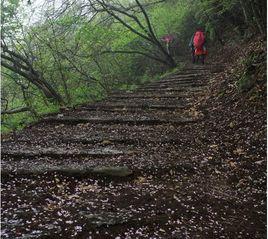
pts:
[35, 11]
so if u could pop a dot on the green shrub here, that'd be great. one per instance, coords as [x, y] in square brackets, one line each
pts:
[253, 65]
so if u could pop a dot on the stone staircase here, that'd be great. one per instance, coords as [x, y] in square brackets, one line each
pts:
[121, 168]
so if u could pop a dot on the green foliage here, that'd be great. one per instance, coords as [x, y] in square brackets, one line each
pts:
[70, 52]
[168, 18]
[9, 9]
[252, 65]
[238, 17]
[246, 82]
[172, 71]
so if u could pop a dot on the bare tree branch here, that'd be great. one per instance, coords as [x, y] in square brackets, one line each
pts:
[15, 111]
[147, 32]
[17, 63]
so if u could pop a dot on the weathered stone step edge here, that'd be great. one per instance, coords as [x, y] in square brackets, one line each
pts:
[194, 71]
[176, 81]
[129, 141]
[144, 96]
[209, 68]
[105, 141]
[106, 172]
[73, 121]
[159, 91]
[171, 86]
[181, 89]
[81, 172]
[149, 96]
[196, 67]
[127, 110]
[58, 153]
[144, 99]
[125, 107]
[185, 76]
[179, 79]
[190, 72]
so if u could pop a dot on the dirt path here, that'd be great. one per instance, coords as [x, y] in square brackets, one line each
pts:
[143, 164]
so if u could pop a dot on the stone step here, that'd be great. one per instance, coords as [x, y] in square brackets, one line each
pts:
[88, 136]
[163, 95]
[138, 91]
[124, 110]
[129, 96]
[165, 86]
[54, 152]
[204, 67]
[174, 82]
[129, 107]
[172, 89]
[201, 69]
[92, 171]
[120, 140]
[186, 76]
[142, 103]
[76, 171]
[178, 80]
[210, 70]
[129, 121]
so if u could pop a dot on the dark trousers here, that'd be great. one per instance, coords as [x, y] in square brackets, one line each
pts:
[195, 58]
[202, 57]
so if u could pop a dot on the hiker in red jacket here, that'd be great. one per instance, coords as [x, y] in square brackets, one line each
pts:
[197, 45]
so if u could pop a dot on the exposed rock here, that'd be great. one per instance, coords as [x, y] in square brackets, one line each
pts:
[105, 218]
[113, 171]
[61, 152]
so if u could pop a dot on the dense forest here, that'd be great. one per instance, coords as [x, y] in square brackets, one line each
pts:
[57, 54]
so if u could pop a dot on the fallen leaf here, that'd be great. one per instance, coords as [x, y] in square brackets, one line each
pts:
[140, 180]
[106, 142]
[231, 125]
[239, 151]
[232, 164]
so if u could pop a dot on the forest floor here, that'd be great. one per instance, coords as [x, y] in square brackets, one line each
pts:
[183, 157]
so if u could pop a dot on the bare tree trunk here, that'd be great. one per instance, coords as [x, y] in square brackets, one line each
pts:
[169, 58]
[28, 103]
[58, 61]
[22, 66]
[15, 111]
[145, 32]
[243, 6]
[257, 18]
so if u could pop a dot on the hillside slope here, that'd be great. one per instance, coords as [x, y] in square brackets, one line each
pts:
[183, 157]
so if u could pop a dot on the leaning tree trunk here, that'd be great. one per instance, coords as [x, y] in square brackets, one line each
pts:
[256, 18]
[169, 58]
[145, 31]
[244, 10]
[19, 64]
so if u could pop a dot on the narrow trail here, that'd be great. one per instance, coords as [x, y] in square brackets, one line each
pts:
[132, 166]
